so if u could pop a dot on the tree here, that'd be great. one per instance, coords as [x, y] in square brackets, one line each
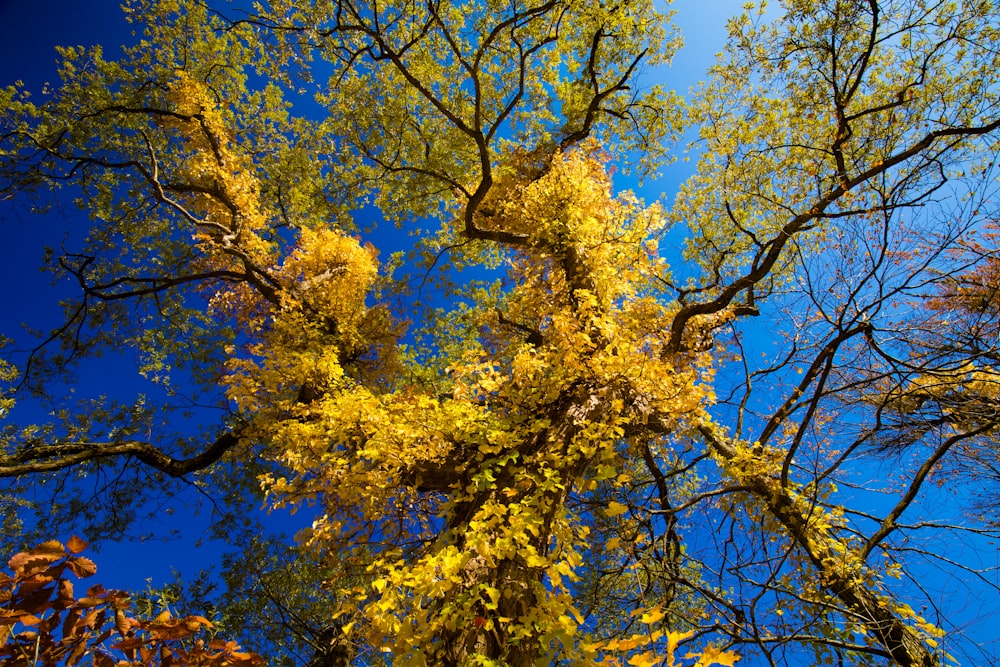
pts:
[521, 469]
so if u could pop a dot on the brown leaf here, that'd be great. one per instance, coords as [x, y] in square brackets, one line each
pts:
[128, 643]
[15, 561]
[76, 545]
[49, 548]
[78, 652]
[64, 597]
[29, 619]
[36, 600]
[90, 620]
[28, 564]
[49, 623]
[98, 621]
[33, 585]
[71, 623]
[86, 602]
[9, 617]
[122, 623]
[82, 567]
[195, 623]
[101, 638]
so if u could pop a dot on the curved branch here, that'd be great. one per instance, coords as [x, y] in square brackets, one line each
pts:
[764, 262]
[889, 523]
[50, 458]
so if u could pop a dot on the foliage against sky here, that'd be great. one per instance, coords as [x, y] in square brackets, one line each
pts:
[541, 435]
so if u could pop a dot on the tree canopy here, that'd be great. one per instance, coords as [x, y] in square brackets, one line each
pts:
[550, 423]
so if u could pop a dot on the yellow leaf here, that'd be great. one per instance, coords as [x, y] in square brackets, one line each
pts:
[674, 638]
[653, 615]
[713, 656]
[615, 508]
[646, 659]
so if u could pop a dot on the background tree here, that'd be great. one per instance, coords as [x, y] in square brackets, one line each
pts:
[527, 471]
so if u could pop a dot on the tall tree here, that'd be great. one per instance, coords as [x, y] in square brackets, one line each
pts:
[573, 456]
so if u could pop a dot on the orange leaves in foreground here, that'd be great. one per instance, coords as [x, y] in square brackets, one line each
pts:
[44, 623]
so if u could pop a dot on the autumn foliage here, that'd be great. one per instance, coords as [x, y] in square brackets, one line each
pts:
[45, 623]
[560, 425]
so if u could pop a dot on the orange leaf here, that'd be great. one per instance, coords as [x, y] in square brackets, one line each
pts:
[28, 563]
[75, 545]
[65, 595]
[50, 548]
[89, 602]
[122, 624]
[78, 652]
[29, 619]
[128, 643]
[82, 567]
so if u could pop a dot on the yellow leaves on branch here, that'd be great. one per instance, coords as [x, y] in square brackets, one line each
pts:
[713, 656]
[664, 655]
[591, 281]
[957, 390]
[219, 187]
[329, 274]
[518, 427]
[322, 320]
